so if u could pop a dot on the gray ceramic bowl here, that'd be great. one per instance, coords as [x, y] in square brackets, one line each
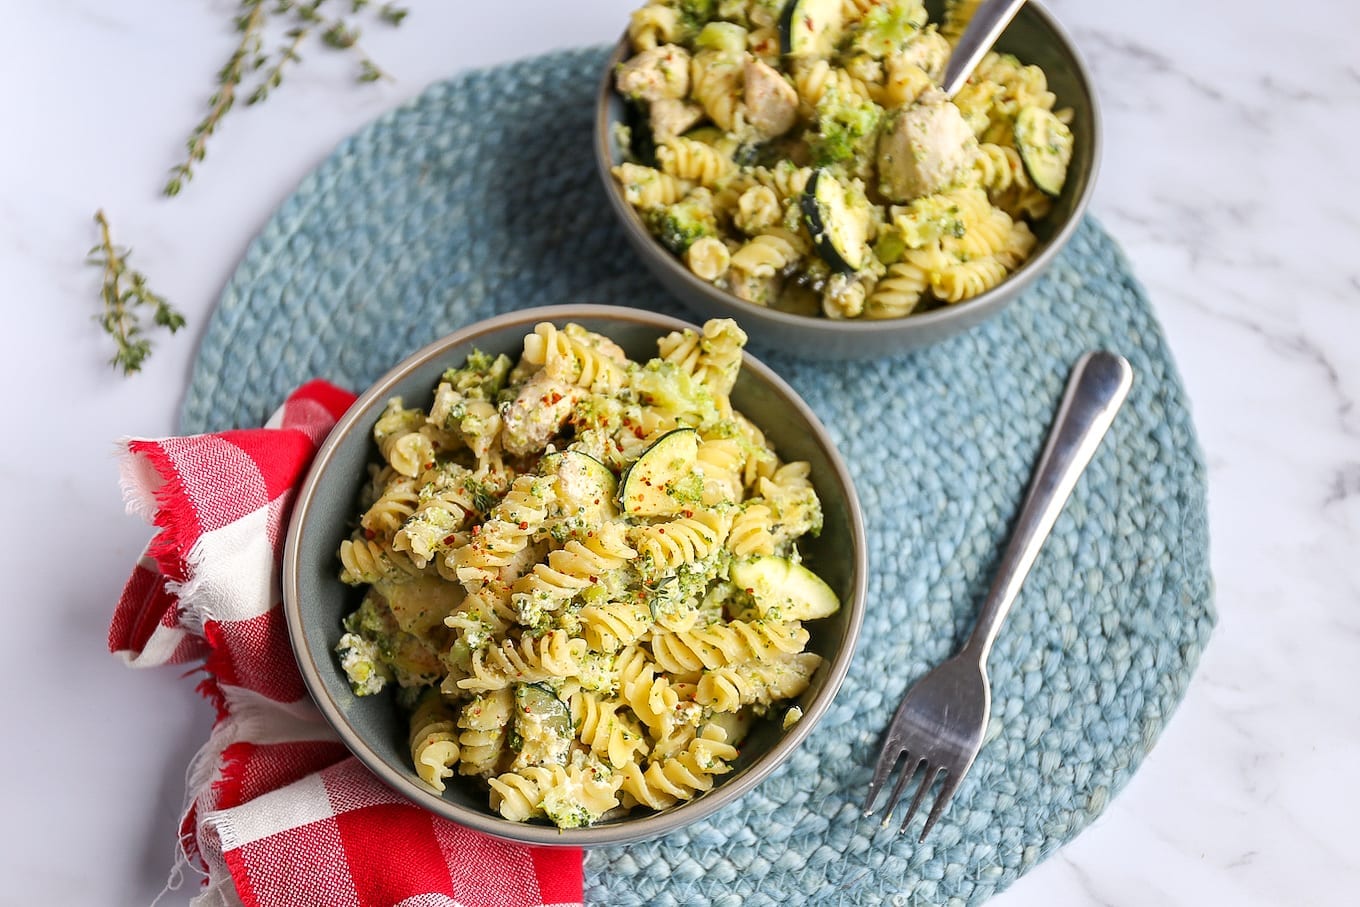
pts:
[314, 599]
[1033, 36]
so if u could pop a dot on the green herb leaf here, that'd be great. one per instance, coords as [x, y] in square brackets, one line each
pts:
[124, 291]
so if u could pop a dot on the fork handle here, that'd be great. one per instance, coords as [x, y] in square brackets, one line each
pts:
[1100, 381]
[988, 22]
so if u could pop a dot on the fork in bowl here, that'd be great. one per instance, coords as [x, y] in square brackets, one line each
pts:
[939, 725]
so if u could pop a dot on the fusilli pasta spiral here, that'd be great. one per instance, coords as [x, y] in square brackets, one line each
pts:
[434, 741]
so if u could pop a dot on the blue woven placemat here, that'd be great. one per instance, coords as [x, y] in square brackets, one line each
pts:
[481, 196]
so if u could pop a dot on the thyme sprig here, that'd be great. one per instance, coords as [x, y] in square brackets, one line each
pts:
[125, 294]
[252, 21]
[246, 56]
[124, 291]
[274, 77]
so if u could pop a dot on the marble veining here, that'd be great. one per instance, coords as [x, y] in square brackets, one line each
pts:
[1227, 177]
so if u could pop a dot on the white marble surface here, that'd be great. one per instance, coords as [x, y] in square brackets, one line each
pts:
[1228, 178]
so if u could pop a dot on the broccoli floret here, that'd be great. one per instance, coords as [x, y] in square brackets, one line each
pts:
[680, 224]
[888, 27]
[483, 497]
[927, 219]
[694, 14]
[362, 664]
[481, 377]
[845, 127]
[889, 246]
[663, 385]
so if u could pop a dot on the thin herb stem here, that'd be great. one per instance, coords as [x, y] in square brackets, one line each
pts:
[274, 77]
[123, 291]
[247, 53]
[251, 22]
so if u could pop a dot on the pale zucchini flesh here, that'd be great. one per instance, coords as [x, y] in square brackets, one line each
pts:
[783, 589]
[836, 229]
[655, 485]
[1045, 146]
[810, 28]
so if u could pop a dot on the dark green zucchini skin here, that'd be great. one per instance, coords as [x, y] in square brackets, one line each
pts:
[642, 488]
[827, 234]
[1045, 146]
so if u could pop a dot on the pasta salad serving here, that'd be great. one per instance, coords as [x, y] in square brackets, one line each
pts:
[581, 574]
[800, 154]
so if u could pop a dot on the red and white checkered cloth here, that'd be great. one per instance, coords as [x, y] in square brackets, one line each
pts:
[279, 813]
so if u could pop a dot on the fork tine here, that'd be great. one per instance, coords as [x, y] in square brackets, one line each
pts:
[927, 780]
[908, 770]
[886, 760]
[951, 784]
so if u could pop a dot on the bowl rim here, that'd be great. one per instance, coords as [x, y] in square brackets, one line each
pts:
[628, 829]
[984, 303]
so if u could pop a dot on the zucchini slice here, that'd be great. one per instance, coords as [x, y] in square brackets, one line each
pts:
[724, 36]
[810, 28]
[779, 585]
[651, 485]
[542, 724]
[837, 231]
[542, 704]
[1045, 146]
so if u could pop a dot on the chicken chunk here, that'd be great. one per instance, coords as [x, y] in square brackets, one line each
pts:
[662, 72]
[670, 117]
[924, 149]
[770, 104]
[536, 414]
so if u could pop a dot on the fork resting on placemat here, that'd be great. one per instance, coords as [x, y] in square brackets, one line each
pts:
[938, 728]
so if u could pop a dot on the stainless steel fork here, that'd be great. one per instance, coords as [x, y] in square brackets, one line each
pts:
[939, 726]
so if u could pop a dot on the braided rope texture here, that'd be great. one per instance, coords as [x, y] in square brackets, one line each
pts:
[480, 196]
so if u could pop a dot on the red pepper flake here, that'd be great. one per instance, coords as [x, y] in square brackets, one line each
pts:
[750, 591]
[661, 530]
[689, 514]
[594, 579]
[476, 530]
[450, 539]
[429, 465]
[370, 534]
[639, 432]
[523, 525]
[555, 398]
